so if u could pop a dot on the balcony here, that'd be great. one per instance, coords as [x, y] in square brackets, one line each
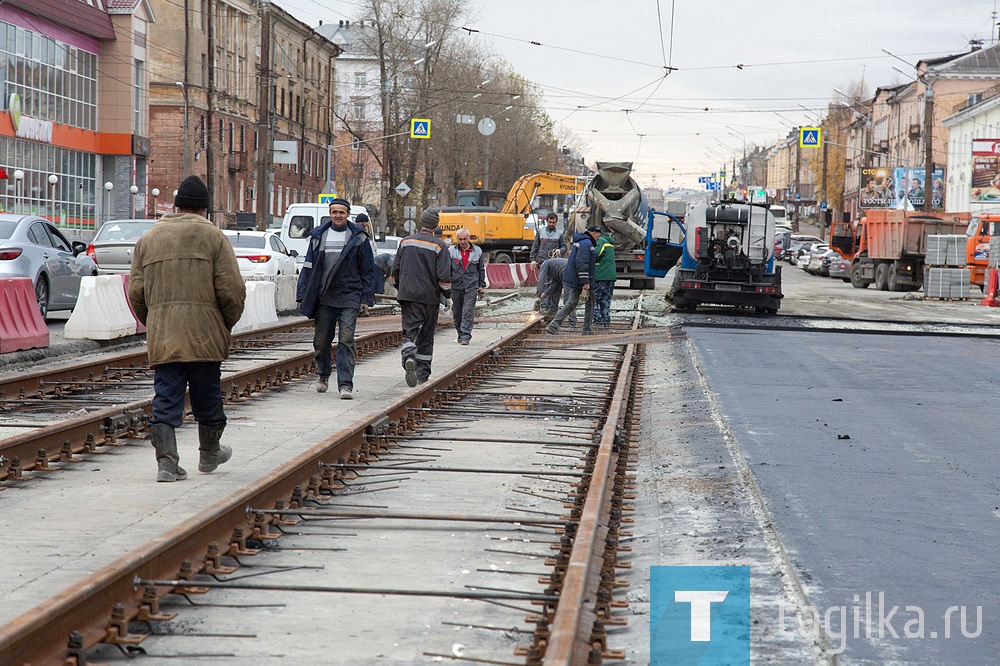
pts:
[882, 146]
[914, 132]
[238, 162]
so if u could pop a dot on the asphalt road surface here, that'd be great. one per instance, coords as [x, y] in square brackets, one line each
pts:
[877, 457]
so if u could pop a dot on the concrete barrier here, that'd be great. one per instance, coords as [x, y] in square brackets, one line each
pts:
[284, 293]
[499, 276]
[259, 308]
[139, 326]
[21, 323]
[526, 275]
[102, 312]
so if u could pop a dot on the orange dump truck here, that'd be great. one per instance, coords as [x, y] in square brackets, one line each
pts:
[982, 227]
[887, 247]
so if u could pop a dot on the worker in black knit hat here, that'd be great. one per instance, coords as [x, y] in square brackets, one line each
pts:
[421, 274]
[337, 283]
[186, 287]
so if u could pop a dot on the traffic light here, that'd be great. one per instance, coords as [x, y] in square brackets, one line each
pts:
[479, 184]
[744, 193]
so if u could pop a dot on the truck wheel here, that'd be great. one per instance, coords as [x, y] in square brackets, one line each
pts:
[502, 258]
[893, 281]
[882, 277]
[856, 280]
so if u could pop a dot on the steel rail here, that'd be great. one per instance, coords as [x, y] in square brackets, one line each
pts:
[38, 449]
[98, 608]
[570, 641]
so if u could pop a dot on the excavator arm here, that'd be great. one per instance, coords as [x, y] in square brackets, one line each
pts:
[529, 186]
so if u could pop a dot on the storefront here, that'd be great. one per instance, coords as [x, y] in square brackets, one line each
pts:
[52, 156]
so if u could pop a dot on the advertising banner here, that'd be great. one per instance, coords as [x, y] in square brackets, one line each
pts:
[900, 187]
[985, 170]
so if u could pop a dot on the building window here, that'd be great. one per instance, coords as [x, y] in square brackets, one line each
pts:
[359, 110]
[139, 87]
[356, 142]
[360, 80]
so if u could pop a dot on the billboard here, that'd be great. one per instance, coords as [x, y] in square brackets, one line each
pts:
[900, 187]
[985, 170]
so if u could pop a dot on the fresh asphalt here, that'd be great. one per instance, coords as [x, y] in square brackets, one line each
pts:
[876, 458]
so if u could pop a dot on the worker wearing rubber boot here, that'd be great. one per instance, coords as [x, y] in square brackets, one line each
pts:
[186, 287]
[422, 275]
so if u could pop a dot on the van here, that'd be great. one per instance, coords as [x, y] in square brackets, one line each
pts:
[781, 216]
[301, 218]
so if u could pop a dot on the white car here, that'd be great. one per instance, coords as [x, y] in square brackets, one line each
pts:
[262, 253]
[389, 245]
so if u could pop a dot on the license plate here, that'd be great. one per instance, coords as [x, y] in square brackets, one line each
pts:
[722, 286]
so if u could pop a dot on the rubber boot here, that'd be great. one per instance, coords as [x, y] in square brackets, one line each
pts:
[164, 441]
[212, 452]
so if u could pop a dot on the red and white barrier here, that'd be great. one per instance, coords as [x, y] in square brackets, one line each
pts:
[139, 326]
[511, 276]
[21, 323]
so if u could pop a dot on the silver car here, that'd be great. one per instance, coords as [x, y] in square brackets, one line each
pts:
[114, 244]
[32, 247]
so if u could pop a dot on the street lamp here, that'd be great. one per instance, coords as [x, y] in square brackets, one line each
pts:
[53, 181]
[134, 190]
[108, 186]
[18, 187]
[156, 194]
[184, 90]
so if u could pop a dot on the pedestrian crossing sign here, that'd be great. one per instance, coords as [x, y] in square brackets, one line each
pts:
[810, 137]
[420, 128]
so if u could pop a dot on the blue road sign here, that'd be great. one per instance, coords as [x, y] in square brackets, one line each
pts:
[822, 205]
[810, 137]
[798, 197]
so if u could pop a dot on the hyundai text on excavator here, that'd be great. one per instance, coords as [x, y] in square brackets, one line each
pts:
[503, 234]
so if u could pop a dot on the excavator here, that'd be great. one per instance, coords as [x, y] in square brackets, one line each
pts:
[503, 234]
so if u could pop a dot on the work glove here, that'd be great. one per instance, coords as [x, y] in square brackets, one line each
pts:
[537, 305]
[481, 291]
[363, 310]
[585, 296]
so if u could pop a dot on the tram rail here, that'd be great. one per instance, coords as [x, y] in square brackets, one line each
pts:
[577, 604]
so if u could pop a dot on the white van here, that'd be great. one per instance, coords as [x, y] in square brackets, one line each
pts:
[781, 216]
[301, 218]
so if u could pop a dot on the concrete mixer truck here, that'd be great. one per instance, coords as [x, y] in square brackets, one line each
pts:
[613, 201]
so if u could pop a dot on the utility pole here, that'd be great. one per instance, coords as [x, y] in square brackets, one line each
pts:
[209, 120]
[928, 81]
[798, 159]
[264, 153]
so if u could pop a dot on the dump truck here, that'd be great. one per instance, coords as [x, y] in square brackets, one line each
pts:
[888, 247]
[505, 235]
[613, 201]
[726, 252]
[983, 227]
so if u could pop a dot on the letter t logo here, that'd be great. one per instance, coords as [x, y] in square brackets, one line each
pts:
[701, 610]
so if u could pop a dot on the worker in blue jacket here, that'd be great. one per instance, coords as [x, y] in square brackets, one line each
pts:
[338, 281]
[577, 280]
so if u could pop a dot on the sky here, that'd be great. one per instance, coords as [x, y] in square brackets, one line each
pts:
[741, 71]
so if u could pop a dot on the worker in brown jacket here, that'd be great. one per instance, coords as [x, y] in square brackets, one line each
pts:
[186, 287]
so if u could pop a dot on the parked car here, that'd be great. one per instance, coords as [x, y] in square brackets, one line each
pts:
[800, 250]
[113, 245]
[32, 247]
[389, 245]
[262, 253]
[840, 268]
[805, 260]
[819, 263]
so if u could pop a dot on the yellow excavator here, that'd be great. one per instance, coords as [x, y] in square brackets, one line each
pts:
[504, 235]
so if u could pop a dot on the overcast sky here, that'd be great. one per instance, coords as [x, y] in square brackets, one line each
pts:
[600, 57]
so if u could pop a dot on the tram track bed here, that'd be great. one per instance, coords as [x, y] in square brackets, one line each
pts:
[409, 561]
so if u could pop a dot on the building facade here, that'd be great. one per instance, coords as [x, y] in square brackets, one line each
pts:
[205, 86]
[72, 127]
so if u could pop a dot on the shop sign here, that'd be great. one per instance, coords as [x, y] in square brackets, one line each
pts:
[27, 127]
